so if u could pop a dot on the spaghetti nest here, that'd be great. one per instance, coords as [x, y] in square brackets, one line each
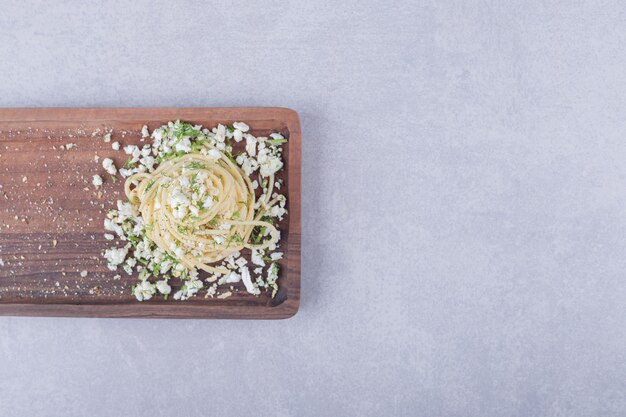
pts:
[200, 209]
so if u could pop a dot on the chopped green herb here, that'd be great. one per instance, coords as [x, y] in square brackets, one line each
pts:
[114, 179]
[235, 238]
[197, 146]
[129, 163]
[196, 165]
[230, 156]
[276, 141]
[134, 240]
[150, 184]
[259, 235]
[194, 186]
[174, 155]
[268, 219]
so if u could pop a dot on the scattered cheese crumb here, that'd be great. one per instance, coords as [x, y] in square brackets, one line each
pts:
[163, 287]
[97, 181]
[107, 164]
[115, 145]
[83, 273]
[241, 126]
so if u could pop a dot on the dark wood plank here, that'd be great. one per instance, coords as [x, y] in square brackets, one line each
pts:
[51, 217]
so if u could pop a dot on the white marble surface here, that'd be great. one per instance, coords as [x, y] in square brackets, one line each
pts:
[464, 207]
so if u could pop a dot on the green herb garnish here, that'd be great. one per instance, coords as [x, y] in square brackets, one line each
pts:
[276, 141]
[197, 146]
[196, 165]
[234, 238]
[150, 184]
[129, 163]
[230, 156]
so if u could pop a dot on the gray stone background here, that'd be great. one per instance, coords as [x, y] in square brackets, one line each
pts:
[464, 207]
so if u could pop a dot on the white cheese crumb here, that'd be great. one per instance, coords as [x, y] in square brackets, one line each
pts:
[83, 273]
[107, 164]
[144, 290]
[97, 181]
[115, 145]
[210, 292]
[276, 256]
[190, 288]
[251, 145]
[233, 277]
[241, 126]
[107, 137]
[215, 154]
[24, 179]
[163, 286]
[1, 262]
[117, 277]
[225, 295]
[144, 132]
[247, 281]
[115, 256]
[109, 236]
[126, 172]
[257, 258]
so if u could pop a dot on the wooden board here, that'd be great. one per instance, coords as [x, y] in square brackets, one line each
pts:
[51, 217]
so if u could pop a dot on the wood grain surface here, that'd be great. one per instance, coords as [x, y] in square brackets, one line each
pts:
[51, 216]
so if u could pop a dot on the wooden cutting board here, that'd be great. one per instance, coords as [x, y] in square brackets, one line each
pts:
[51, 216]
